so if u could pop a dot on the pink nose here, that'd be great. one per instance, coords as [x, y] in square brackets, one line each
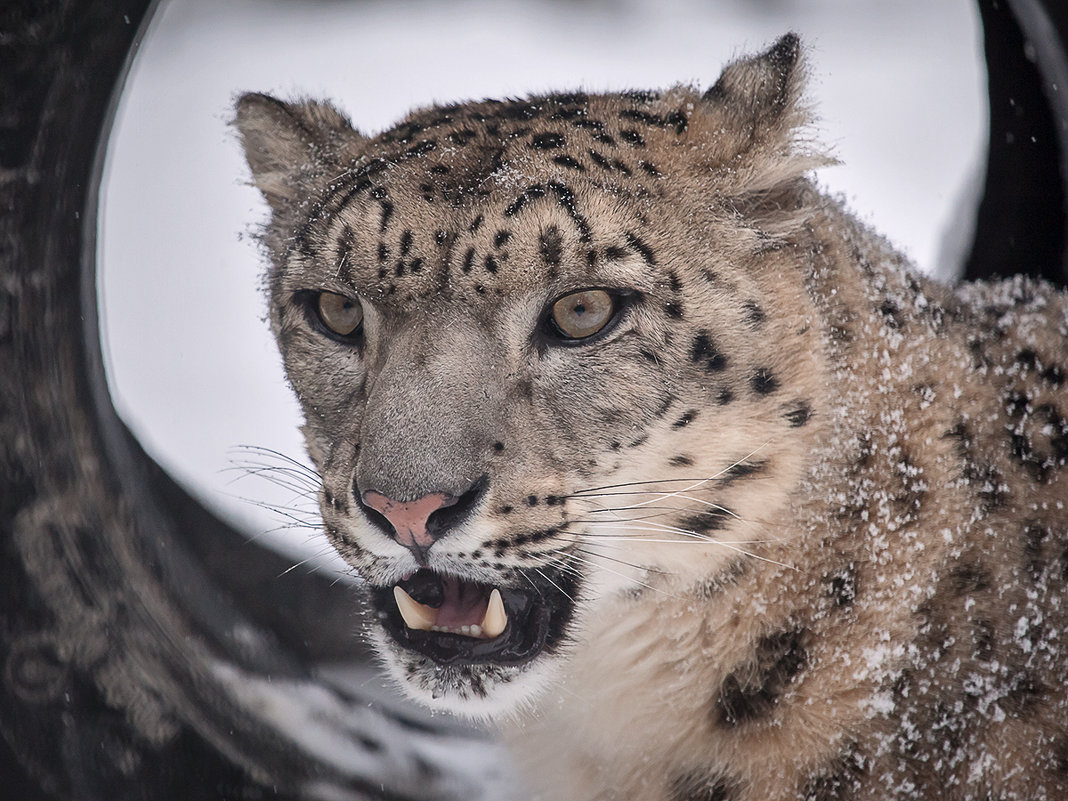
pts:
[409, 518]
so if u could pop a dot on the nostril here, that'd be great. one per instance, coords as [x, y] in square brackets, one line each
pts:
[419, 523]
[408, 519]
[442, 520]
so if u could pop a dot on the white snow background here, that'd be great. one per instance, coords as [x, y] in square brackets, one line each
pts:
[899, 86]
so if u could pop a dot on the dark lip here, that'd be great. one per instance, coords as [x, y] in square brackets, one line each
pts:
[538, 617]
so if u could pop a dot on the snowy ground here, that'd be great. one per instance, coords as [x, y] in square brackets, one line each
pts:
[899, 85]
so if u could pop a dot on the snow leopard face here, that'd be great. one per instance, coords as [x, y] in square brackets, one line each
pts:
[534, 340]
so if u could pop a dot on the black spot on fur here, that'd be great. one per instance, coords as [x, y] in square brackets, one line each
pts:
[476, 223]
[1027, 359]
[569, 98]
[547, 141]
[405, 243]
[415, 265]
[615, 253]
[566, 199]
[674, 310]
[569, 162]
[387, 212]
[639, 245]
[701, 787]
[842, 585]
[501, 238]
[552, 246]
[498, 446]
[751, 691]
[1042, 457]
[650, 169]
[799, 416]
[588, 124]
[682, 460]
[891, 314]
[686, 419]
[763, 381]
[424, 147]
[383, 252]
[1023, 695]
[536, 536]
[532, 500]
[469, 259]
[441, 237]
[632, 137]
[491, 263]
[673, 281]
[704, 350]
[461, 137]
[982, 477]
[740, 470]
[968, 578]
[714, 519]
[724, 396]
[754, 315]
[1053, 375]
[600, 160]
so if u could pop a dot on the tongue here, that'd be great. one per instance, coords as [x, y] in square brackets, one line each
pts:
[464, 603]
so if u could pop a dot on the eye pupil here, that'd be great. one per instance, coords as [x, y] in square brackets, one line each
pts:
[582, 314]
[339, 314]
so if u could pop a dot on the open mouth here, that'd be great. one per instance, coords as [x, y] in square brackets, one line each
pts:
[457, 621]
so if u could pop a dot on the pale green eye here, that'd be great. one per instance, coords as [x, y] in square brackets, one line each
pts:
[582, 314]
[340, 314]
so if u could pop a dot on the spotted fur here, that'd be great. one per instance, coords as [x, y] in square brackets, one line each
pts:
[809, 504]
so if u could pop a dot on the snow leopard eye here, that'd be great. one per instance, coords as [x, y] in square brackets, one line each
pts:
[582, 314]
[339, 314]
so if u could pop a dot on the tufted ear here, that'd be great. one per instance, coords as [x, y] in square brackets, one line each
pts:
[289, 145]
[762, 93]
[754, 120]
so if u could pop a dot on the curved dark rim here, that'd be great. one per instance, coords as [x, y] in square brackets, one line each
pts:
[125, 607]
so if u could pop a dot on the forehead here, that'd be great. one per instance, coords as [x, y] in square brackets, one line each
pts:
[497, 196]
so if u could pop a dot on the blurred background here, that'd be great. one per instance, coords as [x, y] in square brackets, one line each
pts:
[898, 85]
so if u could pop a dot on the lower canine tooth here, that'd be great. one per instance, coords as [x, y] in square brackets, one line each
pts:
[496, 619]
[416, 615]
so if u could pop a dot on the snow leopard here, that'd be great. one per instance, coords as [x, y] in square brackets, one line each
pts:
[649, 452]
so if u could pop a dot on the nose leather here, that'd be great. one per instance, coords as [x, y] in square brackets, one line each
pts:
[409, 518]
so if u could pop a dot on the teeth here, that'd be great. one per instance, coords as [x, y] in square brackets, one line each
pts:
[496, 618]
[416, 615]
[421, 617]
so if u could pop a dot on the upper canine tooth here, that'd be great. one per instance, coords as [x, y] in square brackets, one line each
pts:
[416, 615]
[496, 618]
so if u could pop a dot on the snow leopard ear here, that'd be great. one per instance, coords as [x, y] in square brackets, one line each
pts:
[290, 145]
[761, 93]
[754, 120]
